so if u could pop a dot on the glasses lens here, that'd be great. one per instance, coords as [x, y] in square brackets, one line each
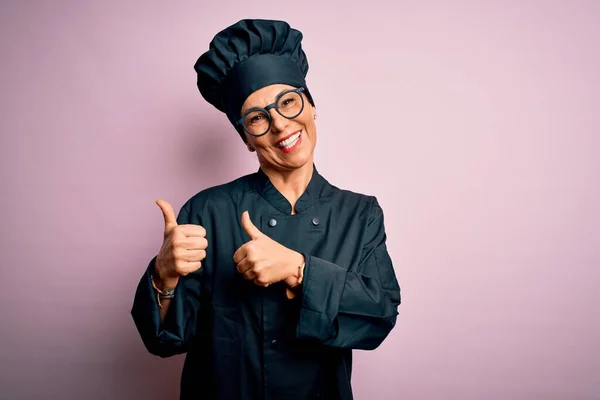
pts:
[257, 122]
[290, 104]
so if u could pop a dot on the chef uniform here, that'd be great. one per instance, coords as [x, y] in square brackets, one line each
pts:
[244, 341]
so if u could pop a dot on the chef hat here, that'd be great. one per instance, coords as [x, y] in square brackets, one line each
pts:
[247, 56]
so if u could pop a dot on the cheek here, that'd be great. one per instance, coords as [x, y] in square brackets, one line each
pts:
[311, 127]
[252, 141]
[260, 143]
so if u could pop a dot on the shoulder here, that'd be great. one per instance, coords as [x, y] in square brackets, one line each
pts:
[363, 203]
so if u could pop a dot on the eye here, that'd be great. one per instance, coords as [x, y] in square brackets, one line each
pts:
[255, 119]
[287, 101]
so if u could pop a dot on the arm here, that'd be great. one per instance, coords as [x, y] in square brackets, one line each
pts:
[168, 334]
[351, 308]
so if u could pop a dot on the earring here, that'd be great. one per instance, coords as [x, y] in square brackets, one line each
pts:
[315, 116]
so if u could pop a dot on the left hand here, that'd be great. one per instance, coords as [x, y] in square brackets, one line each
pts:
[263, 260]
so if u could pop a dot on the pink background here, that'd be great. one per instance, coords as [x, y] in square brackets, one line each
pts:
[474, 122]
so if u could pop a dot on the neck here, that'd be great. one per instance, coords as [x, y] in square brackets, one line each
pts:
[291, 183]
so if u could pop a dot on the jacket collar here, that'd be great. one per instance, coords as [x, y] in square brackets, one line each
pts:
[269, 192]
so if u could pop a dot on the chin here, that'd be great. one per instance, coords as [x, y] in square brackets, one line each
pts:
[299, 160]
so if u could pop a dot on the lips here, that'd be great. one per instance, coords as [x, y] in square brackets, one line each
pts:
[292, 143]
[288, 139]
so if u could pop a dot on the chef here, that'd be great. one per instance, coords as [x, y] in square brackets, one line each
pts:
[267, 283]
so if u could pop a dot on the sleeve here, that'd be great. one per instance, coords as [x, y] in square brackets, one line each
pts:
[357, 308]
[179, 327]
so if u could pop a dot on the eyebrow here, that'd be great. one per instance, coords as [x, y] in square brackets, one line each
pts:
[278, 94]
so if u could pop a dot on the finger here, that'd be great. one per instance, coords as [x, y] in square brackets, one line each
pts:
[243, 266]
[239, 254]
[196, 243]
[192, 230]
[249, 227]
[249, 275]
[168, 214]
[186, 267]
[258, 282]
[191, 255]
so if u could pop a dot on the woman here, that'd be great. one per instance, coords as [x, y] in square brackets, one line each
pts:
[268, 282]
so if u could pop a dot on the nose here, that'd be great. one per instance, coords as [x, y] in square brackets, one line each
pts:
[278, 123]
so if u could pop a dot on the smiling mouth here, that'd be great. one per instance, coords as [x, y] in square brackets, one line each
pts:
[289, 142]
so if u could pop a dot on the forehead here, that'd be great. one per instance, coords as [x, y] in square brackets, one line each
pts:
[264, 96]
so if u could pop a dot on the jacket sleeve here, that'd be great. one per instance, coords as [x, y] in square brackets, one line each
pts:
[179, 327]
[354, 308]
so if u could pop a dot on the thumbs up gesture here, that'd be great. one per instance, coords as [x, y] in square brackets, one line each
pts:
[183, 248]
[263, 260]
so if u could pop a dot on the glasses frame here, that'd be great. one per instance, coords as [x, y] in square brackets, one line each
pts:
[267, 108]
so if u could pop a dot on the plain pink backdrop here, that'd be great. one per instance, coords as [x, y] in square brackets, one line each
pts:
[475, 123]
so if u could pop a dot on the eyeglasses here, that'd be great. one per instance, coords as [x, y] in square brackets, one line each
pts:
[257, 121]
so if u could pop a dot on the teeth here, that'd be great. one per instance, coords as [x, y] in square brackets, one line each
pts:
[289, 142]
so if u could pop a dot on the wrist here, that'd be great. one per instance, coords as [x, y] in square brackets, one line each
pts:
[296, 270]
[294, 281]
[161, 281]
[163, 291]
[167, 284]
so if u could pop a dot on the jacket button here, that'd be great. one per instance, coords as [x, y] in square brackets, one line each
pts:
[274, 343]
[272, 222]
[315, 221]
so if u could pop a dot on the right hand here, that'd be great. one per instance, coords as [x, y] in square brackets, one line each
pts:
[183, 248]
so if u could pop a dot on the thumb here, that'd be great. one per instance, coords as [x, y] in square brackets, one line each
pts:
[168, 214]
[249, 227]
